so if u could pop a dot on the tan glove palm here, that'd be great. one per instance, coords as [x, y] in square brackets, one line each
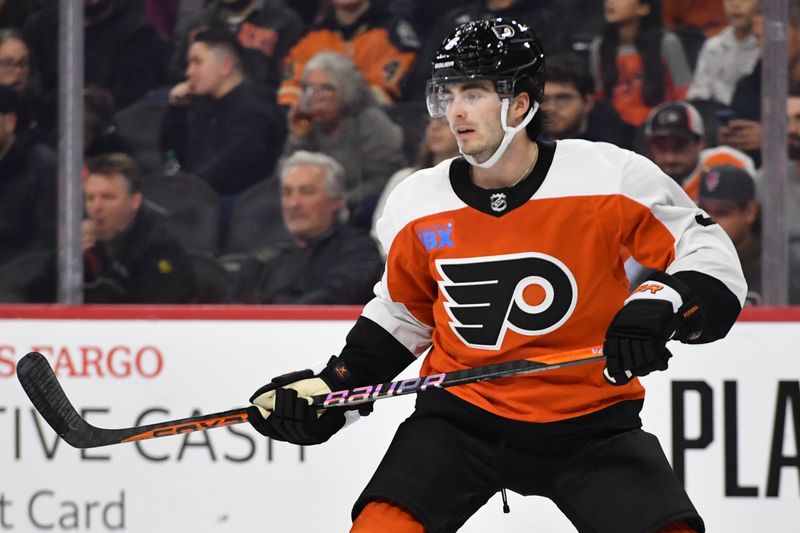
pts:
[306, 388]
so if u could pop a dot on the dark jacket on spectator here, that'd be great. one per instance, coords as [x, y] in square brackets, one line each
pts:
[144, 265]
[36, 120]
[27, 200]
[340, 267]
[231, 142]
[123, 53]
[266, 35]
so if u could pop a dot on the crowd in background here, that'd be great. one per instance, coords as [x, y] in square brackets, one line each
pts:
[240, 151]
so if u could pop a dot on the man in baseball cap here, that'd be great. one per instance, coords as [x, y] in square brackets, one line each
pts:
[728, 193]
[676, 139]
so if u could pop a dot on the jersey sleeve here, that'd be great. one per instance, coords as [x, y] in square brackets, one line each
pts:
[665, 230]
[396, 326]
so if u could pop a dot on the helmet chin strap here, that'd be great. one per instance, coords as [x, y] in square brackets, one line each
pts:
[508, 135]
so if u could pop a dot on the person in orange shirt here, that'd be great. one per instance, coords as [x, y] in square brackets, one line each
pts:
[635, 63]
[676, 140]
[515, 250]
[382, 47]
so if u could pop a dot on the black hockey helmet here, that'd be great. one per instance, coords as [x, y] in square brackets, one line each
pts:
[500, 49]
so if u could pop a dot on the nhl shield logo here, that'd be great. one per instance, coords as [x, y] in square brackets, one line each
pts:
[498, 202]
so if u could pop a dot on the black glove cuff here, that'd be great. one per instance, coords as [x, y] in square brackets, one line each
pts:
[687, 322]
[337, 376]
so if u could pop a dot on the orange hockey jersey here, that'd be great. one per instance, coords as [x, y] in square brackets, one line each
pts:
[485, 276]
[382, 47]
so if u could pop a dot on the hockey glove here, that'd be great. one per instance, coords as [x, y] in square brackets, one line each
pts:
[660, 309]
[282, 411]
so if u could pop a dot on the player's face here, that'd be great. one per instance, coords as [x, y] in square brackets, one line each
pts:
[473, 112]
[205, 70]
[15, 66]
[110, 204]
[566, 109]
[622, 11]
[737, 220]
[675, 155]
[308, 208]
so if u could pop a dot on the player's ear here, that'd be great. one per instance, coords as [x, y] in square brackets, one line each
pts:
[521, 104]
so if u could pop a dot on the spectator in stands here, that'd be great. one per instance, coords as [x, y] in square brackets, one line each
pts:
[707, 16]
[538, 14]
[571, 111]
[15, 61]
[438, 144]
[744, 130]
[35, 116]
[793, 213]
[326, 262]
[266, 30]
[636, 64]
[220, 125]
[129, 255]
[123, 52]
[382, 47]
[339, 117]
[27, 187]
[728, 56]
[676, 139]
[728, 194]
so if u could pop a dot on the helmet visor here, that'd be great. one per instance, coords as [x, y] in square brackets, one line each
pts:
[438, 95]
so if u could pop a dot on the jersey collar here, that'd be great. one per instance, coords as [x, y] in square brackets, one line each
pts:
[498, 202]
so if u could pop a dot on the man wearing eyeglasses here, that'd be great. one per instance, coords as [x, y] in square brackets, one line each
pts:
[35, 116]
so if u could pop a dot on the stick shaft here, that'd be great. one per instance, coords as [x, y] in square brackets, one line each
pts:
[370, 393]
[41, 385]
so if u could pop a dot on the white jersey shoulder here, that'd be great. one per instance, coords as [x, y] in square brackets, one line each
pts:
[586, 168]
[425, 192]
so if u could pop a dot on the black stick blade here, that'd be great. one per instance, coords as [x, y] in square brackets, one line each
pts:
[42, 387]
[40, 384]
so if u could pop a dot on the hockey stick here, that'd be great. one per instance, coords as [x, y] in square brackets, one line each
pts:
[42, 387]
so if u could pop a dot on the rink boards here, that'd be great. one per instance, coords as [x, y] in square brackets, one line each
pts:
[727, 414]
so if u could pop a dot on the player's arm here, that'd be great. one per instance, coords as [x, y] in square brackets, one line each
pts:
[699, 289]
[391, 333]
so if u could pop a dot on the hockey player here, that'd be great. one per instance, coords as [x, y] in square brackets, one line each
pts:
[516, 250]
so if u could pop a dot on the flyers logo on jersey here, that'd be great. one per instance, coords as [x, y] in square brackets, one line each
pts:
[485, 296]
[652, 288]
